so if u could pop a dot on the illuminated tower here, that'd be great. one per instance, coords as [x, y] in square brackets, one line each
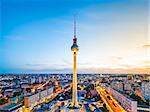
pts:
[74, 49]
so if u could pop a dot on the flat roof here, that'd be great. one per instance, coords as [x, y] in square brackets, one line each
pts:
[11, 107]
[144, 106]
[38, 91]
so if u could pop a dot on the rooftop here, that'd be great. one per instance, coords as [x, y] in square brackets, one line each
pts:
[11, 107]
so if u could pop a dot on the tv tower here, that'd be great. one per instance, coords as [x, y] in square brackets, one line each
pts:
[74, 49]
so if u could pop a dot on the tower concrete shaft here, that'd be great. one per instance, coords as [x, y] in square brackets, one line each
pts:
[74, 89]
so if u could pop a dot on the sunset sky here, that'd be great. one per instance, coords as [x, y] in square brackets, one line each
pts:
[36, 36]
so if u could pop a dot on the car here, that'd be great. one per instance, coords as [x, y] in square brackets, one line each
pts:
[92, 108]
[84, 102]
[99, 105]
[71, 111]
[109, 97]
[114, 104]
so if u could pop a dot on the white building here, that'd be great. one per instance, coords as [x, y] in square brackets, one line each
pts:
[146, 89]
[49, 91]
[117, 85]
[43, 94]
[31, 100]
[127, 86]
[128, 104]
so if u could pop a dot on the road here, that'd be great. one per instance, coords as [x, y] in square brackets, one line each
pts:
[143, 108]
[111, 103]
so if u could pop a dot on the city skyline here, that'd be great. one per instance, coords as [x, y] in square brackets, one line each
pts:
[36, 36]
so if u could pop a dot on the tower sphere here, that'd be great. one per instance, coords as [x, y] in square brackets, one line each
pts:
[74, 48]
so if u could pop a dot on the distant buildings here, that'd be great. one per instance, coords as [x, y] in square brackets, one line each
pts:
[17, 88]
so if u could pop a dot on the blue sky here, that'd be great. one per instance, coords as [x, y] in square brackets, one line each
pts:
[36, 36]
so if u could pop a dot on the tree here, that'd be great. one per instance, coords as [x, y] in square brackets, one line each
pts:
[3, 101]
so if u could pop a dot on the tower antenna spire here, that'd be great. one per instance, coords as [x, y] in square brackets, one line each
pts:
[74, 26]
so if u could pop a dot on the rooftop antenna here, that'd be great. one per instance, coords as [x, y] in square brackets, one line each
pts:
[74, 26]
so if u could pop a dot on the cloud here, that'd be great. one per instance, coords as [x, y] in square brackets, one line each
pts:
[90, 70]
[34, 64]
[44, 66]
[146, 45]
[123, 66]
[67, 62]
[117, 57]
[146, 62]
